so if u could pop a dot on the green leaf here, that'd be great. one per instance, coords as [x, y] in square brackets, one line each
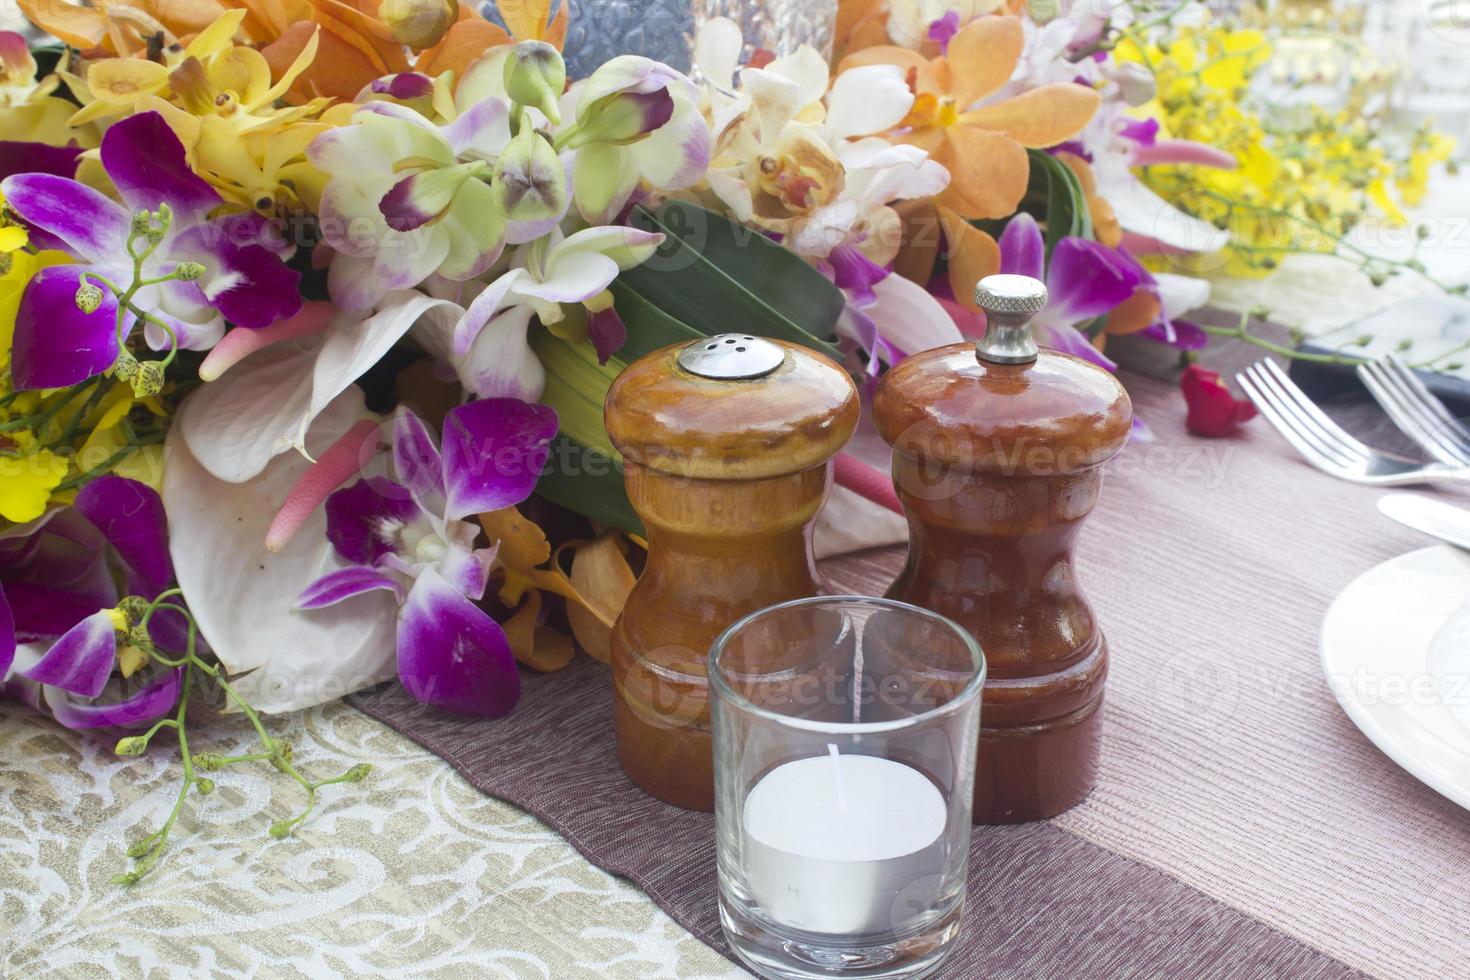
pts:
[584, 473]
[715, 277]
[588, 482]
[779, 277]
[649, 327]
[576, 387]
[1066, 213]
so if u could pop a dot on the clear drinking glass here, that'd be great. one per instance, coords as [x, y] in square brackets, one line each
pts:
[778, 26]
[845, 733]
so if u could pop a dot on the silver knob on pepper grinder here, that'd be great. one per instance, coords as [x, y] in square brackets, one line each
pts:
[1009, 303]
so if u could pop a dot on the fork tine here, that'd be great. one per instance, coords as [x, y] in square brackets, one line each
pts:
[1449, 440]
[1291, 402]
[1287, 429]
[1430, 401]
[1410, 415]
[1325, 425]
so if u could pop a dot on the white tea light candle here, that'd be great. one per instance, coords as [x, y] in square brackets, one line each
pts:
[833, 842]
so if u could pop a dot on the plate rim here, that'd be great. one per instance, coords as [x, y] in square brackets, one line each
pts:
[1458, 795]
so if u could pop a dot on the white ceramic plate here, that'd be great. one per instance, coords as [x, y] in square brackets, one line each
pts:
[1396, 652]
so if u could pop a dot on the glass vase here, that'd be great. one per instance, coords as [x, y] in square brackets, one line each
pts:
[600, 30]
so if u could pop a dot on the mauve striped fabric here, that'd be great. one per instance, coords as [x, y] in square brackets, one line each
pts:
[1242, 827]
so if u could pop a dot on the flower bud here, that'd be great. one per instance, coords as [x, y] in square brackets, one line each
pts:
[125, 368]
[149, 380]
[535, 75]
[89, 297]
[141, 222]
[138, 848]
[418, 23]
[624, 117]
[280, 829]
[132, 745]
[284, 752]
[188, 271]
[357, 773]
[209, 762]
[204, 785]
[133, 607]
[1043, 11]
[530, 182]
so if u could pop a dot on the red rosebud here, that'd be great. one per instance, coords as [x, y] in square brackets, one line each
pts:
[1213, 411]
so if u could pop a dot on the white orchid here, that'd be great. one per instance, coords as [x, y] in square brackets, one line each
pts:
[797, 159]
[487, 343]
[918, 23]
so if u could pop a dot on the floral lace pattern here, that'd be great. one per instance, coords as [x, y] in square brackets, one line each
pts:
[412, 870]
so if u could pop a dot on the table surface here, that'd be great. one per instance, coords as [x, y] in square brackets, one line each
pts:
[1227, 765]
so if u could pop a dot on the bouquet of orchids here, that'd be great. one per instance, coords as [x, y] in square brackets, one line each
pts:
[308, 311]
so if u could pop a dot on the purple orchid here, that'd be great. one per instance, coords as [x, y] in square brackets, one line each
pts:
[409, 536]
[1085, 280]
[243, 281]
[59, 621]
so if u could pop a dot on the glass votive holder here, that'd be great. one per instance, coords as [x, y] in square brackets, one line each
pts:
[845, 734]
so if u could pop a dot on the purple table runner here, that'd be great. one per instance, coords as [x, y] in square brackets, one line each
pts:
[1241, 825]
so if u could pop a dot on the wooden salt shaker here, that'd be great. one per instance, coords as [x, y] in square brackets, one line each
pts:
[726, 444]
[997, 449]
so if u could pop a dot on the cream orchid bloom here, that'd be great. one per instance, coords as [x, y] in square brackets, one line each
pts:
[796, 159]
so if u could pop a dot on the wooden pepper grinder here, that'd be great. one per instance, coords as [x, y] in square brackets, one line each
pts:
[726, 443]
[997, 449]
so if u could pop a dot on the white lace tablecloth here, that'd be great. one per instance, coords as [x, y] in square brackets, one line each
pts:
[411, 873]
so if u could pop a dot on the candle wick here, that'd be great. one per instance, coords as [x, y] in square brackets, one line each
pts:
[837, 777]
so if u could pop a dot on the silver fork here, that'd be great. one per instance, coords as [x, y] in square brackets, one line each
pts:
[1415, 410]
[1324, 443]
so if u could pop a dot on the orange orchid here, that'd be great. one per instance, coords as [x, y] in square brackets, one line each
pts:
[121, 28]
[983, 144]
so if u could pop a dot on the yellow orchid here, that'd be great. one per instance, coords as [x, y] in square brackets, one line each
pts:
[13, 238]
[16, 269]
[211, 76]
[1295, 190]
[27, 480]
[982, 144]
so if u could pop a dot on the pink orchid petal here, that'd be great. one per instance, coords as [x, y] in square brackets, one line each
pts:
[337, 586]
[358, 515]
[1087, 279]
[1022, 249]
[451, 654]
[86, 222]
[147, 164]
[494, 450]
[335, 467]
[871, 484]
[130, 516]
[1183, 151]
[82, 660]
[142, 708]
[315, 317]
[417, 462]
[55, 344]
